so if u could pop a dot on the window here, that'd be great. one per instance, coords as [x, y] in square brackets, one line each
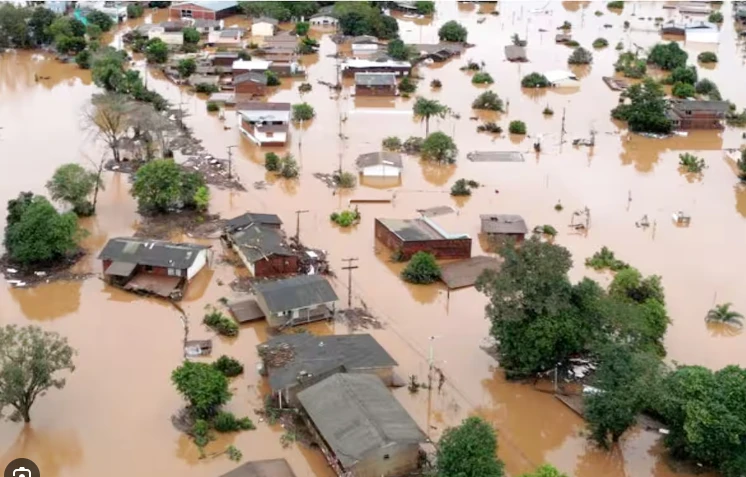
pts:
[148, 268]
[386, 457]
[269, 134]
[186, 14]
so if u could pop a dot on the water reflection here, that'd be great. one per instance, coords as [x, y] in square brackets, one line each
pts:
[435, 173]
[48, 301]
[54, 451]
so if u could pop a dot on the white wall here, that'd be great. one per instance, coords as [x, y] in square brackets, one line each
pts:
[262, 29]
[276, 137]
[381, 171]
[365, 47]
[169, 38]
[199, 263]
[324, 21]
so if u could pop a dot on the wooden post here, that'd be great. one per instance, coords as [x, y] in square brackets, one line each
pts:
[350, 267]
[297, 224]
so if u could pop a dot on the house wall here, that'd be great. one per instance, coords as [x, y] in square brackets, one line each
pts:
[262, 29]
[223, 62]
[381, 171]
[298, 316]
[384, 90]
[199, 263]
[503, 237]
[196, 12]
[397, 70]
[276, 265]
[393, 460]
[386, 374]
[700, 123]
[250, 87]
[324, 21]
[442, 249]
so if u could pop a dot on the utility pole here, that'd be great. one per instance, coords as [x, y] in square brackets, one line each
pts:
[297, 224]
[350, 267]
[230, 161]
[562, 133]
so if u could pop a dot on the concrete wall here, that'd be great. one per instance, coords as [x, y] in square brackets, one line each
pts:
[262, 29]
[199, 263]
[392, 461]
[196, 12]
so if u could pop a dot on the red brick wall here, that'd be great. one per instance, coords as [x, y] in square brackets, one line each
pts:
[197, 12]
[223, 62]
[276, 265]
[249, 87]
[388, 238]
[442, 249]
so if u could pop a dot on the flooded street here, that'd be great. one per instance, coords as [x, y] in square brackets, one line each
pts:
[114, 415]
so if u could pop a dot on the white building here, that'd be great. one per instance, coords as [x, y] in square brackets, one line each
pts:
[364, 44]
[265, 124]
[702, 33]
[171, 38]
[263, 26]
[562, 78]
[324, 18]
[380, 164]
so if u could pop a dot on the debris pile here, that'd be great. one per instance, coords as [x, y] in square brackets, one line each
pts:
[357, 319]
[277, 356]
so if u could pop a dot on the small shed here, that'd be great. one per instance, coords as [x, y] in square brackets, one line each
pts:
[409, 236]
[380, 164]
[262, 468]
[515, 53]
[504, 226]
[263, 26]
[297, 300]
[363, 428]
[375, 84]
[292, 362]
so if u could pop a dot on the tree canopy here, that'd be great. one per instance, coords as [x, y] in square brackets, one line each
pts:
[580, 56]
[156, 51]
[203, 386]
[439, 147]
[453, 31]
[186, 67]
[469, 450]
[100, 19]
[488, 100]
[162, 185]
[73, 184]
[303, 112]
[30, 362]
[644, 108]
[422, 269]
[283, 11]
[191, 35]
[362, 18]
[37, 233]
[398, 50]
[668, 56]
[424, 109]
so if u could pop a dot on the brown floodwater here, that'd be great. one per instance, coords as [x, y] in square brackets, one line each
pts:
[118, 403]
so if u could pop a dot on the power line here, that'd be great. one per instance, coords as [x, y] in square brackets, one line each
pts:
[350, 267]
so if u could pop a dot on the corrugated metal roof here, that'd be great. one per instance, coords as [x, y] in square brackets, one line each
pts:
[262, 468]
[251, 76]
[244, 220]
[356, 414]
[503, 224]
[154, 253]
[257, 242]
[296, 292]
[315, 355]
[375, 79]
[386, 158]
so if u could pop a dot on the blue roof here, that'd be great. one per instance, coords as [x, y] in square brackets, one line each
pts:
[215, 6]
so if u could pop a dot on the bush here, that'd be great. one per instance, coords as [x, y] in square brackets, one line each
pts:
[392, 143]
[425, 8]
[156, 51]
[206, 88]
[186, 68]
[212, 106]
[220, 323]
[230, 367]
[683, 90]
[436, 83]
[272, 162]
[471, 65]
[413, 145]
[272, 78]
[289, 167]
[422, 269]
[346, 218]
[490, 127]
[546, 230]
[535, 80]
[226, 422]
[203, 386]
[488, 100]
[301, 28]
[604, 259]
[547, 111]
[244, 55]
[668, 56]
[305, 87]
[439, 147]
[406, 85]
[452, 31]
[600, 43]
[202, 198]
[134, 10]
[715, 17]
[191, 35]
[565, 26]
[630, 65]
[482, 77]
[463, 187]
[83, 59]
[303, 112]
[619, 46]
[615, 5]
[692, 163]
[345, 180]
[580, 56]
[683, 74]
[517, 127]
[707, 57]
[708, 87]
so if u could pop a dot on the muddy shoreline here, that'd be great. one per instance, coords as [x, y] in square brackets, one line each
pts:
[24, 276]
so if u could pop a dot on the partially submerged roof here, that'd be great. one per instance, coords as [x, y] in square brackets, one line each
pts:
[418, 230]
[246, 310]
[375, 79]
[495, 156]
[295, 292]
[464, 273]
[121, 269]
[356, 414]
[391, 159]
[555, 76]
[209, 5]
[503, 224]
[257, 111]
[695, 105]
[155, 253]
[262, 106]
[364, 39]
[251, 77]
[256, 242]
[262, 468]
[244, 220]
[309, 355]
[515, 53]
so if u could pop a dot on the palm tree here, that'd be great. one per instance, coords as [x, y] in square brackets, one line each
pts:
[723, 314]
[425, 108]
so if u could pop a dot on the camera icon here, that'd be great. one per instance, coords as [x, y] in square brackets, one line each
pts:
[22, 472]
[22, 468]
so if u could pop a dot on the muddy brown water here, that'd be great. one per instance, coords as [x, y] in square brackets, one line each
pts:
[113, 416]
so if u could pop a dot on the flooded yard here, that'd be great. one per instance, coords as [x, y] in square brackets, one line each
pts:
[114, 415]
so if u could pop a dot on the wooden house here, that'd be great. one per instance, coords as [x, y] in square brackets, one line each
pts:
[375, 84]
[408, 237]
[690, 114]
[296, 300]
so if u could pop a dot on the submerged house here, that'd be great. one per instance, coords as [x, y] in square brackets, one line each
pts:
[352, 66]
[362, 428]
[407, 237]
[380, 164]
[249, 218]
[296, 300]
[691, 114]
[504, 226]
[515, 53]
[263, 250]
[702, 32]
[252, 83]
[293, 362]
[561, 78]
[375, 84]
[152, 266]
[266, 124]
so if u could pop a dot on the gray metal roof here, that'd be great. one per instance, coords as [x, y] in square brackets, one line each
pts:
[327, 11]
[714, 106]
[411, 230]
[375, 79]
[154, 253]
[251, 76]
[120, 269]
[356, 414]
[262, 468]
[296, 292]
[209, 5]
[257, 242]
[316, 355]
[503, 224]
[386, 158]
[513, 52]
[244, 220]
